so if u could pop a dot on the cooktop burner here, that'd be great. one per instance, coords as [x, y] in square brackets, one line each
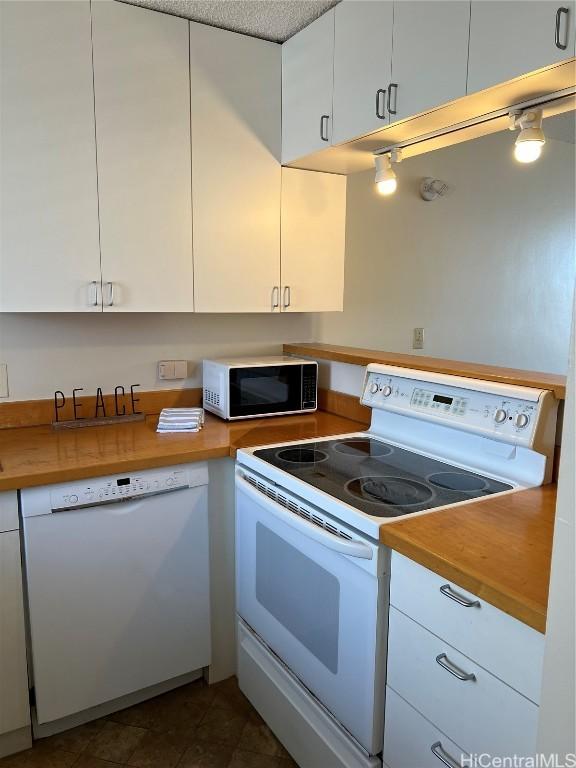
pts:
[302, 455]
[395, 491]
[378, 478]
[362, 445]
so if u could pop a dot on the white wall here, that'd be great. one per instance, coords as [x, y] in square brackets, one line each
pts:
[49, 352]
[487, 271]
[557, 733]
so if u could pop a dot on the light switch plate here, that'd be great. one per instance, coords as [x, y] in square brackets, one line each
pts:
[172, 369]
[3, 380]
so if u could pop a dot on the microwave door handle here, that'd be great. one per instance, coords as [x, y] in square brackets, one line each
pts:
[310, 530]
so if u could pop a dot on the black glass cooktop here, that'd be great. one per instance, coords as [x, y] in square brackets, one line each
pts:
[378, 478]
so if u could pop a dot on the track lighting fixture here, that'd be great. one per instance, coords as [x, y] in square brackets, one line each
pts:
[385, 176]
[531, 138]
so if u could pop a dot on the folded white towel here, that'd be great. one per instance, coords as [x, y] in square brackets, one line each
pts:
[181, 420]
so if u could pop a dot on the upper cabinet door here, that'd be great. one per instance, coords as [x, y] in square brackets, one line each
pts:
[307, 83]
[362, 67]
[313, 241]
[141, 81]
[430, 55]
[49, 253]
[510, 38]
[235, 106]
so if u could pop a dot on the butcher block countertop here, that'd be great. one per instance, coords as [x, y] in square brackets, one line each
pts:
[498, 548]
[360, 356]
[41, 455]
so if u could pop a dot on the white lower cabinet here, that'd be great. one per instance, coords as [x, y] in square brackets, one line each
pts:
[460, 672]
[464, 700]
[411, 741]
[14, 706]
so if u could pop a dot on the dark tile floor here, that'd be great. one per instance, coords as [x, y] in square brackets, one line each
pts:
[196, 726]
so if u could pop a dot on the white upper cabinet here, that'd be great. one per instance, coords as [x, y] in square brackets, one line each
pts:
[313, 241]
[510, 38]
[49, 253]
[430, 55]
[235, 86]
[307, 84]
[362, 67]
[141, 81]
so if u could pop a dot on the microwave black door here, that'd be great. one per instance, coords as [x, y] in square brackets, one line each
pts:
[269, 389]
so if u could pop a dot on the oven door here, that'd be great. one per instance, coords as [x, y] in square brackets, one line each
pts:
[317, 600]
[262, 390]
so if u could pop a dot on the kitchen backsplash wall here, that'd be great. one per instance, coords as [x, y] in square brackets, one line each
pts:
[49, 352]
[487, 271]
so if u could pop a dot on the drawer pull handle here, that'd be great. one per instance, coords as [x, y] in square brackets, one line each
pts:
[438, 751]
[446, 664]
[447, 590]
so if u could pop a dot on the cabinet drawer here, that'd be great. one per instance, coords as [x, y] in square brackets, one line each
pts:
[409, 738]
[481, 714]
[9, 511]
[511, 650]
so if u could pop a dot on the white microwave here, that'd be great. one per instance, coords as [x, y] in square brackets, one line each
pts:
[245, 388]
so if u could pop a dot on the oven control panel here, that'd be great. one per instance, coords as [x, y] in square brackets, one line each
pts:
[501, 411]
[111, 489]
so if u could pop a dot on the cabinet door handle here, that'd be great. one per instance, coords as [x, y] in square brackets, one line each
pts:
[559, 13]
[110, 287]
[94, 293]
[275, 297]
[324, 125]
[395, 87]
[287, 297]
[438, 751]
[449, 666]
[381, 100]
[447, 591]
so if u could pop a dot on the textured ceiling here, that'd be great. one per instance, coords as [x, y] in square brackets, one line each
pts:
[275, 20]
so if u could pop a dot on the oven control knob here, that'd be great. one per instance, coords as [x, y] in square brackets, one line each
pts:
[521, 420]
[500, 415]
[387, 391]
[374, 387]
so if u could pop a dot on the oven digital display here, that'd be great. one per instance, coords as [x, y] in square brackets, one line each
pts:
[443, 399]
[123, 481]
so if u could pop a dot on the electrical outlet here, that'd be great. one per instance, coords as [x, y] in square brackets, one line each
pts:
[3, 380]
[172, 369]
[418, 338]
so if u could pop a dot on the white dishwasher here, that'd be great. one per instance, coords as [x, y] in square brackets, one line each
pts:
[117, 580]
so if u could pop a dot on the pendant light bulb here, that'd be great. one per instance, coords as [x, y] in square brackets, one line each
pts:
[531, 139]
[386, 181]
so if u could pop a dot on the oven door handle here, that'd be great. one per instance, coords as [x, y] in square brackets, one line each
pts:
[310, 530]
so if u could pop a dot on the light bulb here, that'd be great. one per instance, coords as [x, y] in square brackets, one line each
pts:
[385, 179]
[531, 138]
[528, 151]
[387, 187]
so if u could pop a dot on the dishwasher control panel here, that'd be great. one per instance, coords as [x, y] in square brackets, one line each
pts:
[116, 488]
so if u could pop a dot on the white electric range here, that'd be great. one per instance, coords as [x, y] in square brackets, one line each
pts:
[312, 578]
